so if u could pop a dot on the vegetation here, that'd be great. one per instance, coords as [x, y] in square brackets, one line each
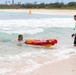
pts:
[70, 5]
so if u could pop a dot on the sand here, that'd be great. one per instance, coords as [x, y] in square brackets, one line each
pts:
[68, 12]
[63, 67]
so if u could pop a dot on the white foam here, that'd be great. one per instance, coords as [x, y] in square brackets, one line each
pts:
[64, 53]
[33, 26]
[33, 66]
[29, 61]
[5, 70]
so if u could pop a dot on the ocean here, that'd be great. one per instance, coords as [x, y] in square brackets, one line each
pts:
[27, 58]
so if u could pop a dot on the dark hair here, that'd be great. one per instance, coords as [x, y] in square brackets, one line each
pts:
[74, 15]
[19, 35]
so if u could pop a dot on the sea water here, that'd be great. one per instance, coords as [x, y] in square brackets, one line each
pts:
[21, 59]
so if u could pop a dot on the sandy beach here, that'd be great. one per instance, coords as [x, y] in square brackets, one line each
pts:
[68, 12]
[63, 67]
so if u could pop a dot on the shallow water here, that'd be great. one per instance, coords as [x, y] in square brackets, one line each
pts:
[25, 58]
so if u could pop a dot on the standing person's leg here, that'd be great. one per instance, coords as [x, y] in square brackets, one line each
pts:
[75, 40]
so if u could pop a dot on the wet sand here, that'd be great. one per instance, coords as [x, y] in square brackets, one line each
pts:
[63, 67]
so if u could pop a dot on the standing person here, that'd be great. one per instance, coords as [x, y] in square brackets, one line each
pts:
[75, 31]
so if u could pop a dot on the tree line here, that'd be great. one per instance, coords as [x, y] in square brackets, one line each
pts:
[56, 5]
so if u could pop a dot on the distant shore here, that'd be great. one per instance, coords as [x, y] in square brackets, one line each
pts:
[66, 12]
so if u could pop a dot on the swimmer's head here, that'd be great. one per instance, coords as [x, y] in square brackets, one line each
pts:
[20, 37]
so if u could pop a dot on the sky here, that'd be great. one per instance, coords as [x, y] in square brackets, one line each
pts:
[38, 1]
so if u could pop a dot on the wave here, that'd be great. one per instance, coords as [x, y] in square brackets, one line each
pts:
[33, 26]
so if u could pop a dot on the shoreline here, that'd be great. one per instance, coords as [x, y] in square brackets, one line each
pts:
[57, 11]
[65, 66]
